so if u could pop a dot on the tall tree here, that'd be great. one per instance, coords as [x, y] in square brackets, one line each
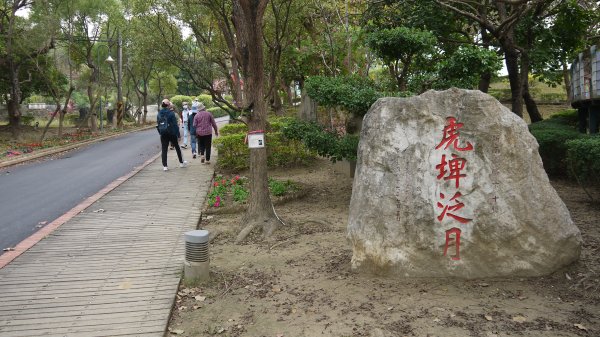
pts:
[250, 14]
[500, 18]
[562, 34]
[401, 48]
[83, 26]
[21, 40]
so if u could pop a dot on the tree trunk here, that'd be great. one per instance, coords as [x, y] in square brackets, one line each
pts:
[237, 90]
[57, 110]
[532, 110]
[14, 118]
[484, 82]
[276, 103]
[485, 78]
[288, 93]
[260, 209]
[14, 112]
[145, 100]
[308, 108]
[512, 66]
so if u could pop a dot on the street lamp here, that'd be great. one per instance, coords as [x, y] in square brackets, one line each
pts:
[109, 59]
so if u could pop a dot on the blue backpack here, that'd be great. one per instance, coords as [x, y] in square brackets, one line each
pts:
[163, 124]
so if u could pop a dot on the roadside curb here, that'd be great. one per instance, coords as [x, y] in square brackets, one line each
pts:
[36, 237]
[59, 149]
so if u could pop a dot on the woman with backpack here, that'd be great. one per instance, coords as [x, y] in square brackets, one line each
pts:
[169, 133]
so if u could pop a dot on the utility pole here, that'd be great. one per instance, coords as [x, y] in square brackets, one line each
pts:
[120, 110]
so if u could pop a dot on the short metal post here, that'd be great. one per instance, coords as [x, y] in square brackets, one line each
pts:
[197, 264]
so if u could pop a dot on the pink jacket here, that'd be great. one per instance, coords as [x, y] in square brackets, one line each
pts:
[204, 122]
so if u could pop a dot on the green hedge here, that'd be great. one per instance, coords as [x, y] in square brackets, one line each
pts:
[179, 99]
[233, 152]
[276, 124]
[217, 112]
[353, 93]
[565, 117]
[281, 152]
[206, 100]
[552, 135]
[326, 144]
[583, 159]
[235, 128]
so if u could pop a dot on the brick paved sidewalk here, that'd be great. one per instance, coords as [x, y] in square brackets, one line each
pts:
[114, 268]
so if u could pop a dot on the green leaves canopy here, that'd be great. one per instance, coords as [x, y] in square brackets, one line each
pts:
[400, 43]
[353, 93]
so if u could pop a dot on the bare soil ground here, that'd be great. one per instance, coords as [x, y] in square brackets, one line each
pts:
[299, 283]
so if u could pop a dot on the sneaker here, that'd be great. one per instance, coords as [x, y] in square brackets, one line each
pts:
[165, 168]
[184, 146]
[184, 164]
[194, 156]
[202, 159]
[207, 162]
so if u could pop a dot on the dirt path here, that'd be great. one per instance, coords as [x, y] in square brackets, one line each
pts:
[300, 283]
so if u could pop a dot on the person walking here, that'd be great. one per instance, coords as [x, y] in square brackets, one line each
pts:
[169, 133]
[184, 123]
[204, 122]
[193, 139]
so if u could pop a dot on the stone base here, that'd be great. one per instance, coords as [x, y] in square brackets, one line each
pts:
[196, 272]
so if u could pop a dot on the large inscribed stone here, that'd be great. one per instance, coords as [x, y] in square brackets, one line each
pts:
[450, 183]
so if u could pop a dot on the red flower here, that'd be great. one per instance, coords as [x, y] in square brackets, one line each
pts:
[216, 184]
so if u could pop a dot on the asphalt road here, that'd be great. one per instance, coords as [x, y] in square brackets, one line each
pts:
[42, 191]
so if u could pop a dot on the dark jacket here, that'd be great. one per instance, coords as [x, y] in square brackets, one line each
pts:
[190, 122]
[171, 119]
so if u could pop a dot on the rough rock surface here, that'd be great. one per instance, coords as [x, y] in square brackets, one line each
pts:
[435, 198]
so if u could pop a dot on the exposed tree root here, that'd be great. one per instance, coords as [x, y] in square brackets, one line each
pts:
[268, 226]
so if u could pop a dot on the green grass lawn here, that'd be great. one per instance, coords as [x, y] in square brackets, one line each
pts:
[541, 92]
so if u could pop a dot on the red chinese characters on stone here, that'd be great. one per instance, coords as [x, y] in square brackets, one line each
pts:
[447, 209]
[456, 232]
[452, 167]
[450, 136]
[455, 166]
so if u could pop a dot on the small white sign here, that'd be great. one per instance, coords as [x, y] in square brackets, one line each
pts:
[256, 140]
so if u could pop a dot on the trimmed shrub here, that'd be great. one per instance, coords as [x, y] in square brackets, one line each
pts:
[217, 112]
[583, 159]
[235, 155]
[235, 128]
[353, 93]
[325, 143]
[206, 100]
[233, 152]
[565, 117]
[179, 99]
[552, 135]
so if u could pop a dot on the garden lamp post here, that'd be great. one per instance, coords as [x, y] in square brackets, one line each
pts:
[109, 59]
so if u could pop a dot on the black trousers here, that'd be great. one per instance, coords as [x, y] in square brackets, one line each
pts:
[204, 144]
[164, 141]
